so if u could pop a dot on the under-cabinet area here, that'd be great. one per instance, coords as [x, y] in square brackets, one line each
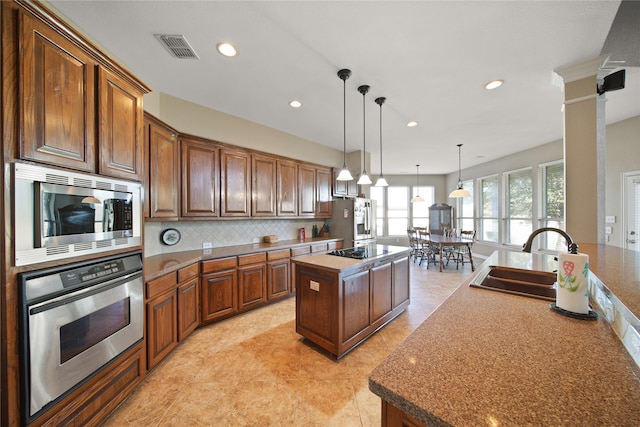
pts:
[185, 290]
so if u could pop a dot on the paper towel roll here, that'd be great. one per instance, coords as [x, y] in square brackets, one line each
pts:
[572, 293]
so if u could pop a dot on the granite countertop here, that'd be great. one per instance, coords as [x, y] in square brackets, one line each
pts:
[338, 264]
[158, 265]
[490, 358]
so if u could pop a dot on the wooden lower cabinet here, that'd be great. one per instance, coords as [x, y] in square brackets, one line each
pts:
[278, 274]
[219, 287]
[381, 292]
[172, 311]
[252, 280]
[394, 417]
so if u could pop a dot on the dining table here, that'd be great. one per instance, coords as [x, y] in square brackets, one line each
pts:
[443, 240]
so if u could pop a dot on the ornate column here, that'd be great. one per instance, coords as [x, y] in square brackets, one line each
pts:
[584, 151]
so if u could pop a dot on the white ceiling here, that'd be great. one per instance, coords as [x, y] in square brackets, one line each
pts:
[430, 59]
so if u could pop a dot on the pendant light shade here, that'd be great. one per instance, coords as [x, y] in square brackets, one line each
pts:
[417, 198]
[381, 182]
[344, 174]
[459, 191]
[364, 178]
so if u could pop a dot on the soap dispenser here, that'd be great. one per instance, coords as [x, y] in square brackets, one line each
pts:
[572, 287]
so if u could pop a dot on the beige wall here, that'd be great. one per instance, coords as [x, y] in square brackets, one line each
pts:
[204, 122]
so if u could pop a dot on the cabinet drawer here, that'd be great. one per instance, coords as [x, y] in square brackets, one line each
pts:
[219, 264]
[188, 272]
[252, 258]
[281, 254]
[300, 250]
[318, 247]
[161, 285]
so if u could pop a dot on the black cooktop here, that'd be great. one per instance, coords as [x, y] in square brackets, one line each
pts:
[359, 253]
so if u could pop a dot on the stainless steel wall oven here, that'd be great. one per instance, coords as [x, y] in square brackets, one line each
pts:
[74, 321]
[61, 214]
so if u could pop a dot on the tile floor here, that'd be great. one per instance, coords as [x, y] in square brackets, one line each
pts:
[254, 370]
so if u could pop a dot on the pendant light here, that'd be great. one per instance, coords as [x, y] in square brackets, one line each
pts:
[459, 192]
[364, 178]
[417, 198]
[381, 182]
[344, 174]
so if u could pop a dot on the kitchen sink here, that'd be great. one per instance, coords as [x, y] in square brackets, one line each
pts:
[531, 283]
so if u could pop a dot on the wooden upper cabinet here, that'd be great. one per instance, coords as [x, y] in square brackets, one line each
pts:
[323, 193]
[263, 185]
[287, 197]
[200, 183]
[162, 183]
[306, 190]
[235, 183]
[121, 127]
[344, 188]
[58, 98]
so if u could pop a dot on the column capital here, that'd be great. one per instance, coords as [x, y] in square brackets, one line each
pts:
[571, 73]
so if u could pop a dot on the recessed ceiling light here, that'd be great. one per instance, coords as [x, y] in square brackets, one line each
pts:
[412, 124]
[493, 84]
[226, 49]
[295, 104]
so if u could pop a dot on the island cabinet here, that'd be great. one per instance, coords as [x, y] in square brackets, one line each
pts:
[340, 301]
[252, 280]
[172, 311]
[72, 93]
[199, 179]
[219, 289]
[162, 183]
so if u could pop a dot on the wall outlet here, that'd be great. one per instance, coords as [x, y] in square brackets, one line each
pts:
[256, 240]
[610, 219]
[315, 286]
[207, 245]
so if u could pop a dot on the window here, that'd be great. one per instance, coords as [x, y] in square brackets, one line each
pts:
[489, 208]
[519, 206]
[377, 194]
[398, 210]
[420, 211]
[465, 208]
[552, 204]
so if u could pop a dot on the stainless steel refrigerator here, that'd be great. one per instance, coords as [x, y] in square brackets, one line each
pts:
[354, 220]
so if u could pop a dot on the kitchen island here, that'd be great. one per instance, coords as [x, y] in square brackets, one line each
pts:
[488, 358]
[341, 301]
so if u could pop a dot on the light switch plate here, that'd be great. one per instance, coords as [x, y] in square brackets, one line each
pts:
[607, 230]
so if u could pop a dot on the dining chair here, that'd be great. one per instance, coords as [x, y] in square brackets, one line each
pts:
[426, 250]
[412, 234]
[463, 253]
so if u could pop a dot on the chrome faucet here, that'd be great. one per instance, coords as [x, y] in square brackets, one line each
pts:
[527, 246]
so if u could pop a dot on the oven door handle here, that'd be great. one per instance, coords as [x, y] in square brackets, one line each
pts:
[83, 293]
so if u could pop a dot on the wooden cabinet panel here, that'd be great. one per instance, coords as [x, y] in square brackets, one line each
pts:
[381, 291]
[323, 193]
[162, 186]
[278, 279]
[220, 264]
[248, 259]
[355, 297]
[162, 327]
[287, 196]
[200, 182]
[400, 281]
[252, 285]
[394, 417]
[188, 307]
[344, 188]
[121, 127]
[306, 190]
[58, 113]
[218, 295]
[160, 285]
[235, 183]
[263, 186]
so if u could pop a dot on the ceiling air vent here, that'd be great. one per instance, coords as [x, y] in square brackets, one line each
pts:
[177, 46]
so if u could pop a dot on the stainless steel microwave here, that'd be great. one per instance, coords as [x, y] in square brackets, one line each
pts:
[62, 214]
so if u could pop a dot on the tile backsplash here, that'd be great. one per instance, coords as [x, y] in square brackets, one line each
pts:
[221, 233]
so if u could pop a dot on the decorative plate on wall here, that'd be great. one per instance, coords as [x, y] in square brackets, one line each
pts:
[170, 236]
